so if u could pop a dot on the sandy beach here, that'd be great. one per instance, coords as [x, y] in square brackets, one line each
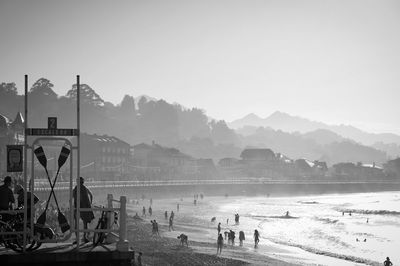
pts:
[166, 249]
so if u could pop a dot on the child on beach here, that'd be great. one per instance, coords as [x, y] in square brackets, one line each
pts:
[220, 243]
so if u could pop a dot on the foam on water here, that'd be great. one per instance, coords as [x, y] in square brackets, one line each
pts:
[321, 228]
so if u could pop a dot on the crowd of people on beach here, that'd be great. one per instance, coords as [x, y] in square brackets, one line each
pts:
[229, 236]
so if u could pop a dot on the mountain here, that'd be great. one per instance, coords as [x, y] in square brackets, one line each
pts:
[323, 136]
[289, 123]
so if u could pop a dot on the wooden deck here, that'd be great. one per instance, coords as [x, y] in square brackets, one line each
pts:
[63, 254]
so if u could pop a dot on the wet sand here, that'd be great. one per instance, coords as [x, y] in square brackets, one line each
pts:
[166, 249]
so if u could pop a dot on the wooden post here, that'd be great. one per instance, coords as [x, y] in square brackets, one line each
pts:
[123, 243]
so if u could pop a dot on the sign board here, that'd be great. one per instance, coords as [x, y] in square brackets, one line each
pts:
[52, 132]
[52, 122]
[15, 158]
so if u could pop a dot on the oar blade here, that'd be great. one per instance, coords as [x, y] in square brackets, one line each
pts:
[42, 219]
[39, 152]
[63, 222]
[63, 156]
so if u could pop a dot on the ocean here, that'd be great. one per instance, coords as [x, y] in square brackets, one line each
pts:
[363, 228]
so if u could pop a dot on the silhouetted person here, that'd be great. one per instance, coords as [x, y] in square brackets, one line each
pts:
[171, 224]
[219, 228]
[150, 211]
[139, 259]
[387, 262]
[6, 195]
[256, 238]
[177, 207]
[241, 238]
[86, 199]
[144, 211]
[220, 243]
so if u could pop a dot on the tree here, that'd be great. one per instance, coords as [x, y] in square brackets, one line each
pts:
[8, 89]
[141, 104]
[87, 95]
[127, 106]
[43, 88]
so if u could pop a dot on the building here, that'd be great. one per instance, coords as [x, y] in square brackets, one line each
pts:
[257, 155]
[157, 162]
[104, 157]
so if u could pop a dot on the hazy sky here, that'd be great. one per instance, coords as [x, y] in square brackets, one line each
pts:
[332, 61]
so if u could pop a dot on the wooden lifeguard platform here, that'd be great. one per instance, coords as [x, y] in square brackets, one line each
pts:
[65, 254]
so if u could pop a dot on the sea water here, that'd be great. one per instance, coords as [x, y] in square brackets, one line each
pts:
[359, 227]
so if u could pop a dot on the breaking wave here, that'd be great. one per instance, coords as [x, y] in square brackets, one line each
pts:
[328, 253]
[374, 212]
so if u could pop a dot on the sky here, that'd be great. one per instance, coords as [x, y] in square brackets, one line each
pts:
[332, 61]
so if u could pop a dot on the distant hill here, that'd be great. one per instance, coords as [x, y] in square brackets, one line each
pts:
[289, 123]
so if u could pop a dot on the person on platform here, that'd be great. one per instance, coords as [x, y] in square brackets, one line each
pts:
[86, 199]
[6, 197]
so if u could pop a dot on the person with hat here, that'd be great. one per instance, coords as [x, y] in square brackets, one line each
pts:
[86, 199]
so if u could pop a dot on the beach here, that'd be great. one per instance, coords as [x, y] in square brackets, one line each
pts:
[317, 233]
[166, 248]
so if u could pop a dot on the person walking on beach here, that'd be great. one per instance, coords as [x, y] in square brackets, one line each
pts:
[387, 262]
[172, 215]
[241, 238]
[256, 238]
[219, 228]
[144, 211]
[150, 211]
[220, 243]
[171, 224]
[153, 227]
[86, 199]
[166, 215]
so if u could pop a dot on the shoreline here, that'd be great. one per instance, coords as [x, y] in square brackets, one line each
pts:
[194, 221]
[166, 249]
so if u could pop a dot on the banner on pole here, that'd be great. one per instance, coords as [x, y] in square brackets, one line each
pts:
[15, 158]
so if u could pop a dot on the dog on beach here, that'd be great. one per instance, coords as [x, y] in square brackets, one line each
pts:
[213, 219]
[184, 239]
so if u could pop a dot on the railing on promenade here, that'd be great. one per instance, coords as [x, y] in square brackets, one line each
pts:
[188, 182]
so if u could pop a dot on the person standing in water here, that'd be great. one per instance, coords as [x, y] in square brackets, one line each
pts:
[387, 262]
[241, 238]
[256, 238]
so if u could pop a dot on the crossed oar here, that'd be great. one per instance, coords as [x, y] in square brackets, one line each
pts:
[62, 221]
